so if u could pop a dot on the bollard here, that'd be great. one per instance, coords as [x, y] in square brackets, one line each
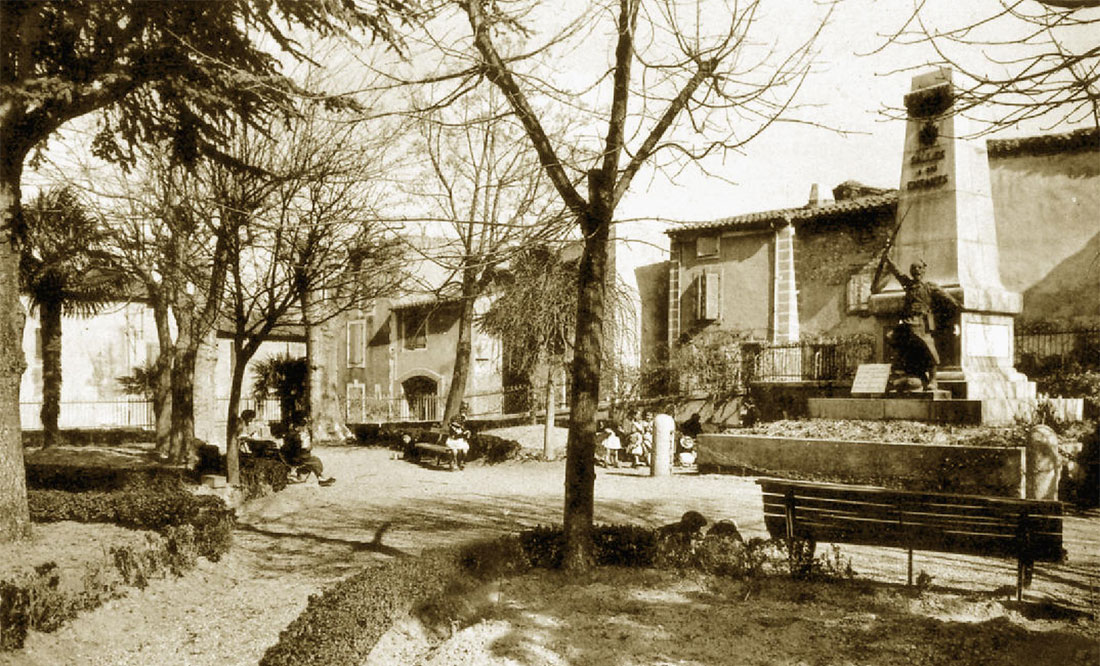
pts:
[664, 430]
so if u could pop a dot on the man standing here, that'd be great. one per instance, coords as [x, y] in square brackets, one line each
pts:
[913, 336]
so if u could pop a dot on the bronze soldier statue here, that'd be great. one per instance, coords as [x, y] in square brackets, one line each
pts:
[927, 309]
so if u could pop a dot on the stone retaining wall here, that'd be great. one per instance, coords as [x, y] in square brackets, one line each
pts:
[977, 470]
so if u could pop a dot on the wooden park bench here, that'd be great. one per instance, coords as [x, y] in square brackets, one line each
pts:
[434, 449]
[1028, 530]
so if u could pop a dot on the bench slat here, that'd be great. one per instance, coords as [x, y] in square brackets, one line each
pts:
[885, 495]
[1038, 532]
[1037, 536]
[911, 537]
[877, 505]
[913, 515]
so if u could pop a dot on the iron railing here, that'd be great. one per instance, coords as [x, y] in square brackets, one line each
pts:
[805, 361]
[92, 414]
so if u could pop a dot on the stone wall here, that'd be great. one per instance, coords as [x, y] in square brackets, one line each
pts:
[940, 468]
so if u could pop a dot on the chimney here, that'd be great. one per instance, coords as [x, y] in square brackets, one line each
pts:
[815, 200]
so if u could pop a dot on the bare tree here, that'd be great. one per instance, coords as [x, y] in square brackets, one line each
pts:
[487, 185]
[1024, 60]
[312, 241]
[681, 82]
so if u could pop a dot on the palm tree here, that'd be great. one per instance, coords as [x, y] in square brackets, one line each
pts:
[60, 274]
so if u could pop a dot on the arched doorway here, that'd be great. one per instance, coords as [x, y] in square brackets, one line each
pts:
[421, 397]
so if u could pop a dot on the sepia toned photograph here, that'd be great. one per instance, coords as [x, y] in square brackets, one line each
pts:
[528, 333]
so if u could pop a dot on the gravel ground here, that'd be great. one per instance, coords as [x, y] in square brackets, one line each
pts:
[295, 543]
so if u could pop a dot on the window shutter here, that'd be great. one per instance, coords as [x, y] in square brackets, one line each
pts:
[355, 343]
[709, 293]
[706, 246]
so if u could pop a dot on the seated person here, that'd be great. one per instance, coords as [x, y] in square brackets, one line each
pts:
[458, 438]
[253, 437]
[297, 451]
[689, 431]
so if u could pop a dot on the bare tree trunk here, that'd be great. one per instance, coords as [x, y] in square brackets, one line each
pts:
[162, 379]
[551, 412]
[464, 349]
[580, 472]
[183, 403]
[51, 372]
[232, 445]
[15, 522]
[162, 402]
[311, 374]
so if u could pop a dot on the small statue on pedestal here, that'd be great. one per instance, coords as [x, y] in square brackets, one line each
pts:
[927, 309]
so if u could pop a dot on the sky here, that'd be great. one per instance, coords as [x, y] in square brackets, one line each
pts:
[846, 96]
[850, 90]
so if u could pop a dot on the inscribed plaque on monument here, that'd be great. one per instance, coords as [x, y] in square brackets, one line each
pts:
[871, 378]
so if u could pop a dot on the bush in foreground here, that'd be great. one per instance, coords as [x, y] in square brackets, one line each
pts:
[43, 601]
[342, 625]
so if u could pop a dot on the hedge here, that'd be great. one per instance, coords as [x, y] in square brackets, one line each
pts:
[76, 478]
[207, 516]
[341, 625]
[97, 436]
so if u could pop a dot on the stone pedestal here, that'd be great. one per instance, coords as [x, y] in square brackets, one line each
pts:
[945, 213]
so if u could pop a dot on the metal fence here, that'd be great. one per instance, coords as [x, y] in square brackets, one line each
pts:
[1044, 351]
[92, 414]
[266, 410]
[805, 361]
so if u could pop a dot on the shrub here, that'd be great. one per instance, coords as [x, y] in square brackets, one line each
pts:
[98, 436]
[1080, 384]
[39, 600]
[341, 625]
[211, 521]
[261, 476]
[493, 449]
[75, 478]
[613, 545]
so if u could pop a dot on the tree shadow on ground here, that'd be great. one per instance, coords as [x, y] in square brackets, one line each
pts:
[620, 617]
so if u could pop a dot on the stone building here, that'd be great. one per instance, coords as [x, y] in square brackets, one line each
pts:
[805, 271]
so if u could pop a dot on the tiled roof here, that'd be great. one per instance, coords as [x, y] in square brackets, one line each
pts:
[417, 300]
[1079, 140]
[781, 216]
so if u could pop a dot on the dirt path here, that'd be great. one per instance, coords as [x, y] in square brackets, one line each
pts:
[294, 543]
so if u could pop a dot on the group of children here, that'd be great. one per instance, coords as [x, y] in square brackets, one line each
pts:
[638, 433]
[255, 438]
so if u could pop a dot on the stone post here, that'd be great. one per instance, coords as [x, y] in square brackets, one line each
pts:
[664, 431]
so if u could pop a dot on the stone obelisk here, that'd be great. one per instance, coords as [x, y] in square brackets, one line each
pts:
[945, 213]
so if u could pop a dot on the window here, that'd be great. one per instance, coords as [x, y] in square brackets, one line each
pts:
[356, 330]
[708, 292]
[356, 403]
[859, 289]
[706, 246]
[415, 323]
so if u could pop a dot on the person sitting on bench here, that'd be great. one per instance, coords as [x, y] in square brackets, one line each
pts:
[298, 453]
[458, 438]
[254, 437]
